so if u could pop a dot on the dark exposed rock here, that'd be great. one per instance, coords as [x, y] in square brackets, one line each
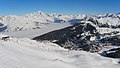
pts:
[119, 62]
[89, 27]
[1, 24]
[112, 53]
[62, 34]
[2, 27]
[95, 22]
[72, 38]
[114, 40]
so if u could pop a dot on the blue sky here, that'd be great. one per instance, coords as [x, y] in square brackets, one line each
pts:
[20, 7]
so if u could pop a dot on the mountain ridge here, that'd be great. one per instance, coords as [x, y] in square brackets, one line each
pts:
[38, 20]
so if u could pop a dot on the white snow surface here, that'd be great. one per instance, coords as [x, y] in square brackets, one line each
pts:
[26, 53]
[107, 30]
[109, 21]
[37, 32]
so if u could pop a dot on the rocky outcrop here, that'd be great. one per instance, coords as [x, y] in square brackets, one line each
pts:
[76, 37]
[2, 27]
[114, 40]
[112, 53]
[95, 22]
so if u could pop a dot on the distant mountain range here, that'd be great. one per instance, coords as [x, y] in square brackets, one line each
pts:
[38, 20]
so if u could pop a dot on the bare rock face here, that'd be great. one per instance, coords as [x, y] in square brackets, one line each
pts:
[114, 40]
[76, 37]
[2, 27]
[112, 53]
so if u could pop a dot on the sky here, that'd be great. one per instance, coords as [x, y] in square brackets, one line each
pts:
[69, 7]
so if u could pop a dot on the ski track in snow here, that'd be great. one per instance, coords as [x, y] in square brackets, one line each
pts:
[26, 53]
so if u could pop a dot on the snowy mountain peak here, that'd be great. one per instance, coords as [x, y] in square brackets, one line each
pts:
[39, 13]
[40, 19]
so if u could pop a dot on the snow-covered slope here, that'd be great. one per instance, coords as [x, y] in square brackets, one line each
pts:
[26, 22]
[26, 53]
[37, 32]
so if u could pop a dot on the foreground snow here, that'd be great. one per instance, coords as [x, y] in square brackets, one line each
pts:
[26, 53]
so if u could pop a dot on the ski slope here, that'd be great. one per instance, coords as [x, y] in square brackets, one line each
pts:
[26, 53]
